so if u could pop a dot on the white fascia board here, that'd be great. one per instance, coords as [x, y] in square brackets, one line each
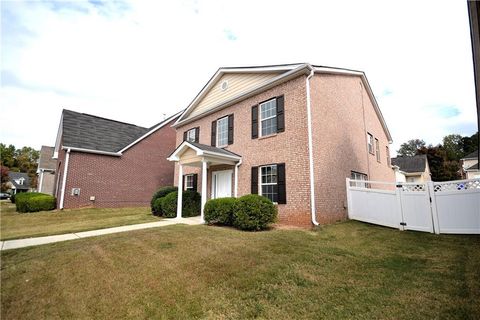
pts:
[150, 132]
[58, 138]
[184, 145]
[105, 153]
[221, 155]
[302, 69]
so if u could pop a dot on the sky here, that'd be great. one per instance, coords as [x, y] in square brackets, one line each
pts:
[139, 61]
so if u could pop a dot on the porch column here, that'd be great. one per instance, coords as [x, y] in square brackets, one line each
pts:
[180, 191]
[204, 188]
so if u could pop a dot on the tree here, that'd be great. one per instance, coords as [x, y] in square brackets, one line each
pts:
[7, 155]
[470, 144]
[21, 160]
[453, 146]
[4, 178]
[441, 168]
[411, 147]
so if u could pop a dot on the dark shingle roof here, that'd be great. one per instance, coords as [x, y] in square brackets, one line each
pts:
[85, 131]
[411, 164]
[473, 167]
[213, 149]
[45, 160]
[16, 176]
[473, 155]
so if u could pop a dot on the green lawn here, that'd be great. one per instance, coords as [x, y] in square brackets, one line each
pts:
[344, 271]
[15, 225]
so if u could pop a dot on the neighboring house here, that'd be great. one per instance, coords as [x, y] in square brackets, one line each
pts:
[292, 133]
[46, 170]
[107, 163]
[470, 168]
[19, 182]
[411, 169]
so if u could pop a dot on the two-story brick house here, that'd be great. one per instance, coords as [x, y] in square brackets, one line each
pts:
[292, 133]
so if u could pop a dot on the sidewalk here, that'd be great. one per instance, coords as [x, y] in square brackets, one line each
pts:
[28, 242]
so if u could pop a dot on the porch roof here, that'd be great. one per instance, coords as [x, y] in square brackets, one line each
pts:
[194, 153]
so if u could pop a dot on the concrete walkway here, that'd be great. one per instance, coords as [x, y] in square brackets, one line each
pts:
[28, 242]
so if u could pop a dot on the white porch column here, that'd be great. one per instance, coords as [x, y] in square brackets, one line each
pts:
[180, 191]
[204, 189]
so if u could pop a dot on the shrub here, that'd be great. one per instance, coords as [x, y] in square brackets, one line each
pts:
[220, 211]
[191, 202]
[157, 207]
[160, 193]
[33, 202]
[253, 212]
[12, 198]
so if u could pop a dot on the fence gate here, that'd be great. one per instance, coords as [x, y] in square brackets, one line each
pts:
[440, 207]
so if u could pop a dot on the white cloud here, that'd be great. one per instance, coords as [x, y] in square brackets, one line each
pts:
[135, 61]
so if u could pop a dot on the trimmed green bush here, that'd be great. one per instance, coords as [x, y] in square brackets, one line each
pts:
[33, 202]
[12, 198]
[220, 211]
[160, 193]
[191, 203]
[253, 212]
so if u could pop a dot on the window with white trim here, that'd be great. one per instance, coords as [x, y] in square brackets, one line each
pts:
[222, 132]
[191, 135]
[377, 149]
[359, 176]
[268, 182]
[189, 182]
[387, 151]
[370, 143]
[268, 117]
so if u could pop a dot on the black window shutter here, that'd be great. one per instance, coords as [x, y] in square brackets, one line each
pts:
[195, 177]
[184, 182]
[280, 114]
[214, 133]
[185, 136]
[197, 134]
[282, 191]
[254, 188]
[255, 122]
[230, 129]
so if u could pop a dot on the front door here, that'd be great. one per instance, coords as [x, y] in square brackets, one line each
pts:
[221, 184]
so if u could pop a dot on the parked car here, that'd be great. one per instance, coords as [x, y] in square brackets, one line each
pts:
[4, 196]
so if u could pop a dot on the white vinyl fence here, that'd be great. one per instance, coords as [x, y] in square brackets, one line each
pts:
[436, 207]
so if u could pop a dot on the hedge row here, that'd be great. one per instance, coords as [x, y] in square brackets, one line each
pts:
[33, 202]
[250, 212]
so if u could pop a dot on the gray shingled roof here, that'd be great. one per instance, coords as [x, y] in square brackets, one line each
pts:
[45, 161]
[473, 167]
[85, 131]
[473, 155]
[16, 176]
[213, 149]
[411, 164]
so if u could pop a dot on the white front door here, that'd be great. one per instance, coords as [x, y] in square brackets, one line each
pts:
[221, 184]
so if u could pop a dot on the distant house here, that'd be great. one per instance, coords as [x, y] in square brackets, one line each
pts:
[46, 170]
[470, 168]
[411, 169]
[107, 163]
[19, 182]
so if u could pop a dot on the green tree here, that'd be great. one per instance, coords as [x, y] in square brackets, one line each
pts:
[21, 160]
[7, 155]
[4, 177]
[411, 147]
[470, 144]
[453, 146]
[441, 168]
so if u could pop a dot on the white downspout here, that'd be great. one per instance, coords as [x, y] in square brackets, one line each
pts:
[64, 181]
[236, 177]
[310, 149]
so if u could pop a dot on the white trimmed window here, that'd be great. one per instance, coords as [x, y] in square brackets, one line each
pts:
[191, 135]
[359, 176]
[370, 143]
[268, 182]
[377, 149]
[268, 117]
[387, 151]
[222, 132]
[189, 182]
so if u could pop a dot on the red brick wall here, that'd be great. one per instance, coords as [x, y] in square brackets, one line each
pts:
[125, 181]
[342, 114]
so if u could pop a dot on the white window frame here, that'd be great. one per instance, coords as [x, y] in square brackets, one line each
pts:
[370, 143]
[377, 149]
[271, 117]
[218, 145]
[187, 182]
[190, 133]
[359, 176]
[261, 184]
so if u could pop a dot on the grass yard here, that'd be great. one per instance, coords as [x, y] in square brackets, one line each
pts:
[344, 271]
[15, 225]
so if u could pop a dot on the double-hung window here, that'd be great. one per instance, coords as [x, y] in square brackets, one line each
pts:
[268, 182]
[189, 182]
[268, 117]
[370, 143]
[359, 176]
[377, 149]
[192, 135]
[222, 132]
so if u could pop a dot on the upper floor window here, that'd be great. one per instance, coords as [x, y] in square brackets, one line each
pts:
[20, 181]
[222, 132]
[387, 151]
[377, 149]
[370, 143]
[192, 135]
[268, 117]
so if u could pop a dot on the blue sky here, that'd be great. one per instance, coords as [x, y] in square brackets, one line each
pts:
[136, 61]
